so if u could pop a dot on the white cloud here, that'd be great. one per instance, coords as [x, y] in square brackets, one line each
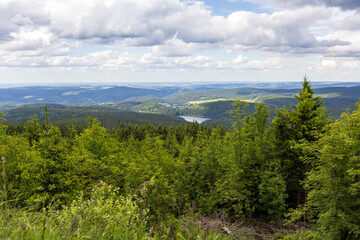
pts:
[28, 39]
[326, 63]
[174, 47]
[150, 23]
[174, 34]
[350, 50]
[349, 20]
[240, 59]
[280, 30]
[344, 4]
[351, 64]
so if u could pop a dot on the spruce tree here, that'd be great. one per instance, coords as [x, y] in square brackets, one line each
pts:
[333, 183]
[302, 124]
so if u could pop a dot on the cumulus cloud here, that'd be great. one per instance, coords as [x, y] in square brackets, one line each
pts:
[240, 59]
[28, 39]
[281, 31]
[348, 22]
[172, 33]
[15, 14]
[343, 4]
[150, 23]
[174, 47]
[349, 50]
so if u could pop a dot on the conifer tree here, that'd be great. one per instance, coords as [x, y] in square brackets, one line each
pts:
[302, 124]
[333, 183]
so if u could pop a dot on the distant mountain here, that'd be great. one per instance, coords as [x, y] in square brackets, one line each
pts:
[123, 93]
[85, 95]
[122, 103]
[59, 95]
[146, 99]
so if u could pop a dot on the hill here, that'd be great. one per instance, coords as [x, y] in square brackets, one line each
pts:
[109, 118]
[211, 101]
[77, 94]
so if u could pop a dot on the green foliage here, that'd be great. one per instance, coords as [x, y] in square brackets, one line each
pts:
[250, 183]
[33, 130]
[272, 194]
[152, 173]
[303, 125]
[104, 215]
[144, 182]
[50, 176]
[96, 140]
[333, 183]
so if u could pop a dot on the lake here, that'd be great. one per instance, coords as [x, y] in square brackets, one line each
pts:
[195, 119]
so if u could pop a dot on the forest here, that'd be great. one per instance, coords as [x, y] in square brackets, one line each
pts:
[297, 175]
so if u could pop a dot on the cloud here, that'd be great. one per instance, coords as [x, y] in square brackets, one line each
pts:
[151, 23]
[326, 63]
[240, 59]
[17, 13]
[349, 50]
[174, 47]
[351, 64]
[28, 39]
[284, 29]
[347, 22]
[171, 34]
[343, 4]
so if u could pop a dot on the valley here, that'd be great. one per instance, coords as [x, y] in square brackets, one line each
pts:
[162, 104]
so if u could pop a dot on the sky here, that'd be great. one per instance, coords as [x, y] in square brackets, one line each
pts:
[119, 41]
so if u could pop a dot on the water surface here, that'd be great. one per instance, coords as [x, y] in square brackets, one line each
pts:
[195, 119]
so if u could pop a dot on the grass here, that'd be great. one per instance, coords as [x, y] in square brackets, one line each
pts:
[106, 215]
[221, 100]
[208, 101]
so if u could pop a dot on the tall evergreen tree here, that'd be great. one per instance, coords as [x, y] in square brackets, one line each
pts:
[334, 182]
[302, 124]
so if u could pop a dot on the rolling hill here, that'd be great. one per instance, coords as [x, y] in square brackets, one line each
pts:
[113, 104]
[110, 118]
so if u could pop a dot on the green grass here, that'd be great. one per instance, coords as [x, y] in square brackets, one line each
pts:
[105, 215]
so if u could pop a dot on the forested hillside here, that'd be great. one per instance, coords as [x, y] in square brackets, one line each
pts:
[78, 115]
[73, 104]
[295, 177]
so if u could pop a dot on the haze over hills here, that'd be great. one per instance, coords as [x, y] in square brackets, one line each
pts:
[181, 93]
[131, 104]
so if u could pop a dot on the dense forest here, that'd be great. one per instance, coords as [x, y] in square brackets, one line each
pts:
[298, 174]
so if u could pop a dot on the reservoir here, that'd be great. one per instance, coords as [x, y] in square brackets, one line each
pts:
[195, 119]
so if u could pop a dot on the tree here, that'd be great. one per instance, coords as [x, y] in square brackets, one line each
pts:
[49, 174]
[248, 180]
[46, 109]
[96, 140]
[310, 115]
[33, 130]
[304, 124]
[96, 155]
[334, 182]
